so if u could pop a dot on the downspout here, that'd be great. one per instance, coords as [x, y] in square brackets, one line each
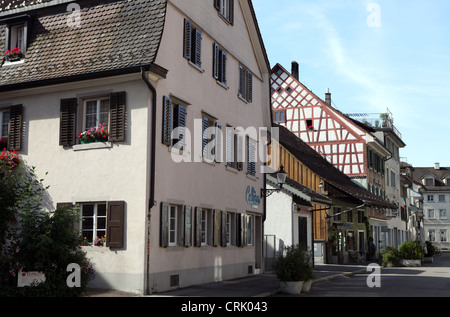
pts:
[151, 201]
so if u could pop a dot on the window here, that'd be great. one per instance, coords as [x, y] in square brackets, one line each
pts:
[360, 216]
[393, 178]
[211, 139]
[93, 223]
[219, 64]
[337, 213]
[251, 157]
[192, 50]
[441, 198]
[228, 228]
[4, 124]
[11, 127]
[443, 235]
[431, 214]
[95, 113]
[16, 41]
[279, 116]
[225, 9]
[429, 181]
[245, 84]
[430, 198]
[176, 225]
[442, 214]
[250, 229]
[309, 125]
[174, 124]
[235, 147]
[109, 110]
[350, 216]
[431, 235]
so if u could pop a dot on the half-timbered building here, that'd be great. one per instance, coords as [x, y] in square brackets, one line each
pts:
[346, 143]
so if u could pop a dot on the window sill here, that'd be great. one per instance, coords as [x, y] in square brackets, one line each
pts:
[252, 177]
[196, 67]
[93, 146]
[8, 63]
[221, 84]
[231, 169]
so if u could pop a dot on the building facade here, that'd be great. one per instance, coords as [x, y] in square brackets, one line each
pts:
[171, 82]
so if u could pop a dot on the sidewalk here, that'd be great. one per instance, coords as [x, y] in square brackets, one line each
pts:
[262, 285]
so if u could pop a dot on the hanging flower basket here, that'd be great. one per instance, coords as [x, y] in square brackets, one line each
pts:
[9, 159]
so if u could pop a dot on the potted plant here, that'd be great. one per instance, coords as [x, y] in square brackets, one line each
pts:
[411, 253]
[14, 55]
[293, 267]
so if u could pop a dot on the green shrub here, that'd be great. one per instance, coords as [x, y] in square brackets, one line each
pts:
[411, 251]
[431, 249]
[293, 264]
[391, 256]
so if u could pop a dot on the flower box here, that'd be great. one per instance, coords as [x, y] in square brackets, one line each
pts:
[14, 55]
[94, 134]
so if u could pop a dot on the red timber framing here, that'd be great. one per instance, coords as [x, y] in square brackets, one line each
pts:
[334, 136]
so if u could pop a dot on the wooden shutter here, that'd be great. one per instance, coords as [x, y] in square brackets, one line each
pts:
[68, 207]
[205, 134]
[223, 241]
[251, 157]
[167, 121]
[243, 230]
[115, 224]
[118, 116]
[218, 143]
[180, 116]
[249, 87]
[15, 127]
[67, 122]
[198, 48]
[231, 11]
[240, 152]
[187, 47]
[187, 226]
[164, 226]
[217, 228]
[216, 59]
[230, 147]
[223, 67]
[198, 227]
[241, 90]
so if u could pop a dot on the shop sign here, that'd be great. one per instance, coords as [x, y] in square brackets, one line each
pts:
[251, 197]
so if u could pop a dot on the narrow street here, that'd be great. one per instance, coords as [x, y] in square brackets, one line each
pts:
[430, 280]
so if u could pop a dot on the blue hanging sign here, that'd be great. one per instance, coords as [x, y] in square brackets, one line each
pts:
[251, 197]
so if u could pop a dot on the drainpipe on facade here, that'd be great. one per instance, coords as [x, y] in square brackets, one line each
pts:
[151, 202]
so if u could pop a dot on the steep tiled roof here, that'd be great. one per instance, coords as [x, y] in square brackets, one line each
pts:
[438, 174]
[316, 163]
[112, 36]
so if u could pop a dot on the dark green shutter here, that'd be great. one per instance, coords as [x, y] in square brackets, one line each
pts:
[180, 115]
[198, 227]
[187, 226]
[67, 122]
[217, 232]
[241, 90]
[216, 58]
[223, 67]
[15, 127]
[115, 224]
[167, 121]
[249, 86]
[223, 241]
[187, 39]
[218, 154]
[164, 226]
[117, 116]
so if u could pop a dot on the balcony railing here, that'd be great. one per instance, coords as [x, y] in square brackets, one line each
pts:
[377, 120]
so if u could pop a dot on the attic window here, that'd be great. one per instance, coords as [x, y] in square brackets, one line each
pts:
[429, 182]
[225, 9]
[16, 41]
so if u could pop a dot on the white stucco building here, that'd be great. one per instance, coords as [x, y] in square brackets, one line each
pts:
[144, 68]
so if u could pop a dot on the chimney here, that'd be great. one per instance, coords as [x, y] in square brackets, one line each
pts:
[437, 166]
[295, 70]
[328, 97]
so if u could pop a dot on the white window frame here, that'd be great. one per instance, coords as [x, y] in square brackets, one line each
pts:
[173, 225]
[205, 223]
[432, 235]
[431, 214]
[17, 37]
[442, 213]
[250, 230]
[98, 100]
[2, 124]
[430, 198]
[443, 235]
[95, 220]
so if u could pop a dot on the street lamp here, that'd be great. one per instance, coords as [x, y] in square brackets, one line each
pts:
[281, 180]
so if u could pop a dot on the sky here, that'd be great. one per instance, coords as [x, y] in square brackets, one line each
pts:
[373, 56]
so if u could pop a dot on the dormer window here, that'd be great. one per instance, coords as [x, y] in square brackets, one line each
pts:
[16, 41]
[429, 181]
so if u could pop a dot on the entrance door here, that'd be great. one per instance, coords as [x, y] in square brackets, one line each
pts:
[303, 231]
